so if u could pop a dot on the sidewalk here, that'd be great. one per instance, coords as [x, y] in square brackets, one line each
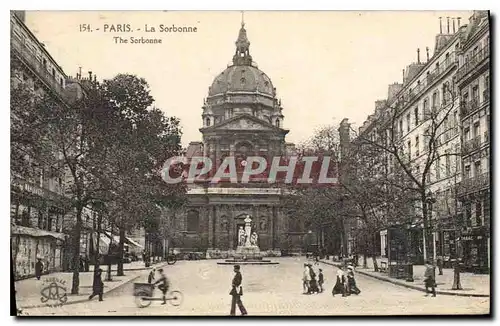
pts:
[474, 285]
[28, 291]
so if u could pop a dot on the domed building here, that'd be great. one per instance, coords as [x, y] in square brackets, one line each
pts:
[241, 117]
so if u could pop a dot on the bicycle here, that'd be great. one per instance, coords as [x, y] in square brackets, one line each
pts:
[143, 293]
[171, 259]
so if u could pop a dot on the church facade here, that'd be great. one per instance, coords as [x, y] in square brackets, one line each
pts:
[242, 117]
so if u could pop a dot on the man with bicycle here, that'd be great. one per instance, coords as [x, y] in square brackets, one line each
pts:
[164, 284]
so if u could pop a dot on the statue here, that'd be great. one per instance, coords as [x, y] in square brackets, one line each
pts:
[254, 238]
[248, 230]
[241, 236]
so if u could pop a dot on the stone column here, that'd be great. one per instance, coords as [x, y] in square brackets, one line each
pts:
[217, 154]
[210, 226]
[214, 224]
[272, 223]
[232, 226]
[211, 154]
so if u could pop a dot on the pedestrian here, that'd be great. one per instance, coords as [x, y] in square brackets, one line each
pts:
[440, 265]
[38, 268]
[306, 278]
[339, 286]
[313, 285]
[321, 280]
[430, 278]
[164, 285]
[351, 281]
[151, 276]
[237, 292]
[97, 285]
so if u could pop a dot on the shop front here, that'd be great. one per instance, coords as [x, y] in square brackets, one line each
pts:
[475, 245]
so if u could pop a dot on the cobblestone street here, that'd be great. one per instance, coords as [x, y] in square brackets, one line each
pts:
[271, 290]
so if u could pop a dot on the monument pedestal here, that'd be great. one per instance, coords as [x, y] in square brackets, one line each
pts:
[247, 253]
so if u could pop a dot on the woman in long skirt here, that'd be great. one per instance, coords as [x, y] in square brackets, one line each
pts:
[351, 282]
[339, 286]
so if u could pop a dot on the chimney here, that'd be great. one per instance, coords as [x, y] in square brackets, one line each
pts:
[393, 90]
[458, 20]
[403, 76]
[418, 55]
[440, 25]
[453, 20]
[448, 24]
[90, 75]
[427, 50]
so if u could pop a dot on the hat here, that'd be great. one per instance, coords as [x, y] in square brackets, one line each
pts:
[320, 270]
[237, 267]
[350, 267]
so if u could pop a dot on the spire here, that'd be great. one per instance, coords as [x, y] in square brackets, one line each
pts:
[242, 56]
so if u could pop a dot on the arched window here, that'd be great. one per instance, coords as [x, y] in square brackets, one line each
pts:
[277, 123]
[193, 221]
[207, 122]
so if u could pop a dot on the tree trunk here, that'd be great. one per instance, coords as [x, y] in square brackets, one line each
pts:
[76, 251]
[365, 261]
[108, 273]
[428, 235]
[375, 265]
[374, 256]
[120, 253]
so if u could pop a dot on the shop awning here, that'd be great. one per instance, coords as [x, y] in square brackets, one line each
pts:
[23, 230]
[134, 243]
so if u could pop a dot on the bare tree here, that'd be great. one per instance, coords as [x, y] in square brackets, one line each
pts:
[417, 168]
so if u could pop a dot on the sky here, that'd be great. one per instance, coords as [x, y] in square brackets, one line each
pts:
[325, 65]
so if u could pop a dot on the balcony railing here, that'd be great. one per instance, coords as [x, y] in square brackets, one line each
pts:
[435, 74]
[35, 189]
[467, 107]
[30, 59]
[474, 184]
[472, 144]
[473, 62]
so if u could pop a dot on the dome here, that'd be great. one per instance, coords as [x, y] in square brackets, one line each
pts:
[242, 78]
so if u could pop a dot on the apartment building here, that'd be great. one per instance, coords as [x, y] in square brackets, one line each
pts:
[421, 112]
[41, 216]
[473, 81]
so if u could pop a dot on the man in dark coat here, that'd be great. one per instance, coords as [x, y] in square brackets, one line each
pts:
[430, 278]
[321, 280]
[38, 269]
[97, 285]
[237, 292]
